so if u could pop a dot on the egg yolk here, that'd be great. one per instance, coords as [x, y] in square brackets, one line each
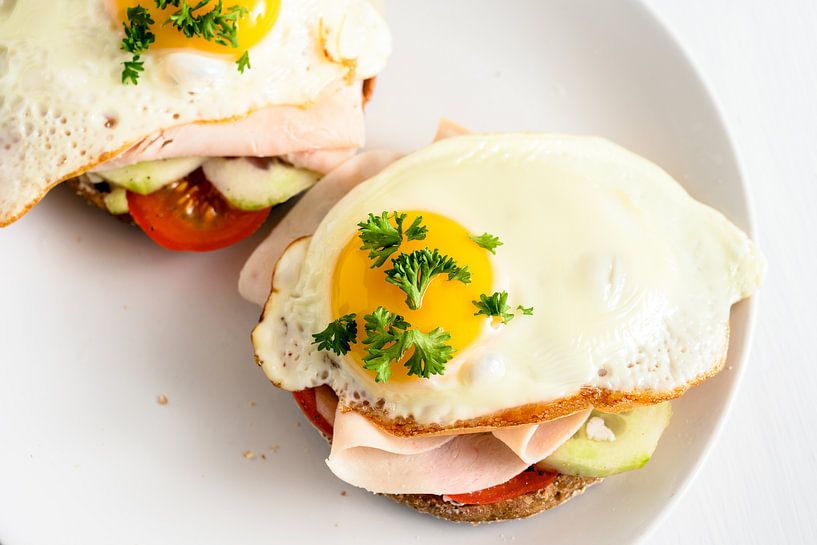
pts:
[251, 29]
[358, 288]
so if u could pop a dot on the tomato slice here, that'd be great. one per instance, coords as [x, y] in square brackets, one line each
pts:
[527, 481]
[191, 215]
[308, 403]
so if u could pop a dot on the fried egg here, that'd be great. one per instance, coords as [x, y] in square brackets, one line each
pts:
[631, 280]
[64, 108]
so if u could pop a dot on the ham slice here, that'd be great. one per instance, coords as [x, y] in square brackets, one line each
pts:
[365, 456]
[319, 137]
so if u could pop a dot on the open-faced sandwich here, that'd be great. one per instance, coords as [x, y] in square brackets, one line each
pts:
[491, 324]
[190, 119]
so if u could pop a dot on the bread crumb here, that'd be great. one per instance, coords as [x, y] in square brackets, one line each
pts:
[252, 403]
[274, 448]
[162, 400]
[342, 492]
[249, 455]
[263, 456]
[298, 424]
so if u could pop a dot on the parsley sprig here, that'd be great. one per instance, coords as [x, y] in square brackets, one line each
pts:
[217, 25]
[382, 239]
[138, 38]
[496, 305]
[413, 272]
[388, 339]
[488, 241]
[338, 335]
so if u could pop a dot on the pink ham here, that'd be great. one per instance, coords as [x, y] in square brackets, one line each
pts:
[318, 137]
[365, 456]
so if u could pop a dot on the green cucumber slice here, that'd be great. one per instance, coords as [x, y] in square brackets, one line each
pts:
[251, 185]
[117, 201]
[636, 436]
[147, 177]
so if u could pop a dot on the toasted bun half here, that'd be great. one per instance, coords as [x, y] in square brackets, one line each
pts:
[523, 506]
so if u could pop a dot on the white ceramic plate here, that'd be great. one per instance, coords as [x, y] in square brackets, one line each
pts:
[97, 322]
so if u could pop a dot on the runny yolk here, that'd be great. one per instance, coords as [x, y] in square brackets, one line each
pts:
[359, 289]
[251, 29]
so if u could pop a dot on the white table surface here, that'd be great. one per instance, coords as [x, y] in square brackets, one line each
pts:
[759, 59]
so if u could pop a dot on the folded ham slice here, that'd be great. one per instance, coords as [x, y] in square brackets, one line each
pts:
[318, 137]
[365, 456]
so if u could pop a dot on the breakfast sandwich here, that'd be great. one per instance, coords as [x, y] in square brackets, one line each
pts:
[190, 119]
[488, 326]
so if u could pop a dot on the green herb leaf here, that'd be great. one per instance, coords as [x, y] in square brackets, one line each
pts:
[132, 69]
[243, 62]
[430, 352]
[527, 311]
[382, 239]
[495, 304]
[413, 272]
[385, 341]
[388, 339]
[488, 241]
[138, 38]
[416, 231]
[338, 335]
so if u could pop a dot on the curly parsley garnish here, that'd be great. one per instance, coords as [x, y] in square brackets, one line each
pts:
[338, 335]
[413, 272]
[388, 339]
[488, 241]
[496, 305]
[382, 239]
[138, 38]
[217, 25]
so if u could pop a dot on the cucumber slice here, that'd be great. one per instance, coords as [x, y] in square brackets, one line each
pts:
[636, 436]
[117, 201]
[252, 185]
[147, 177]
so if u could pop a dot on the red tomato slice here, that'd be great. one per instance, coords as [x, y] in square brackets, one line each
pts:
[191, 215]
[307, 402]
[527, 481]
